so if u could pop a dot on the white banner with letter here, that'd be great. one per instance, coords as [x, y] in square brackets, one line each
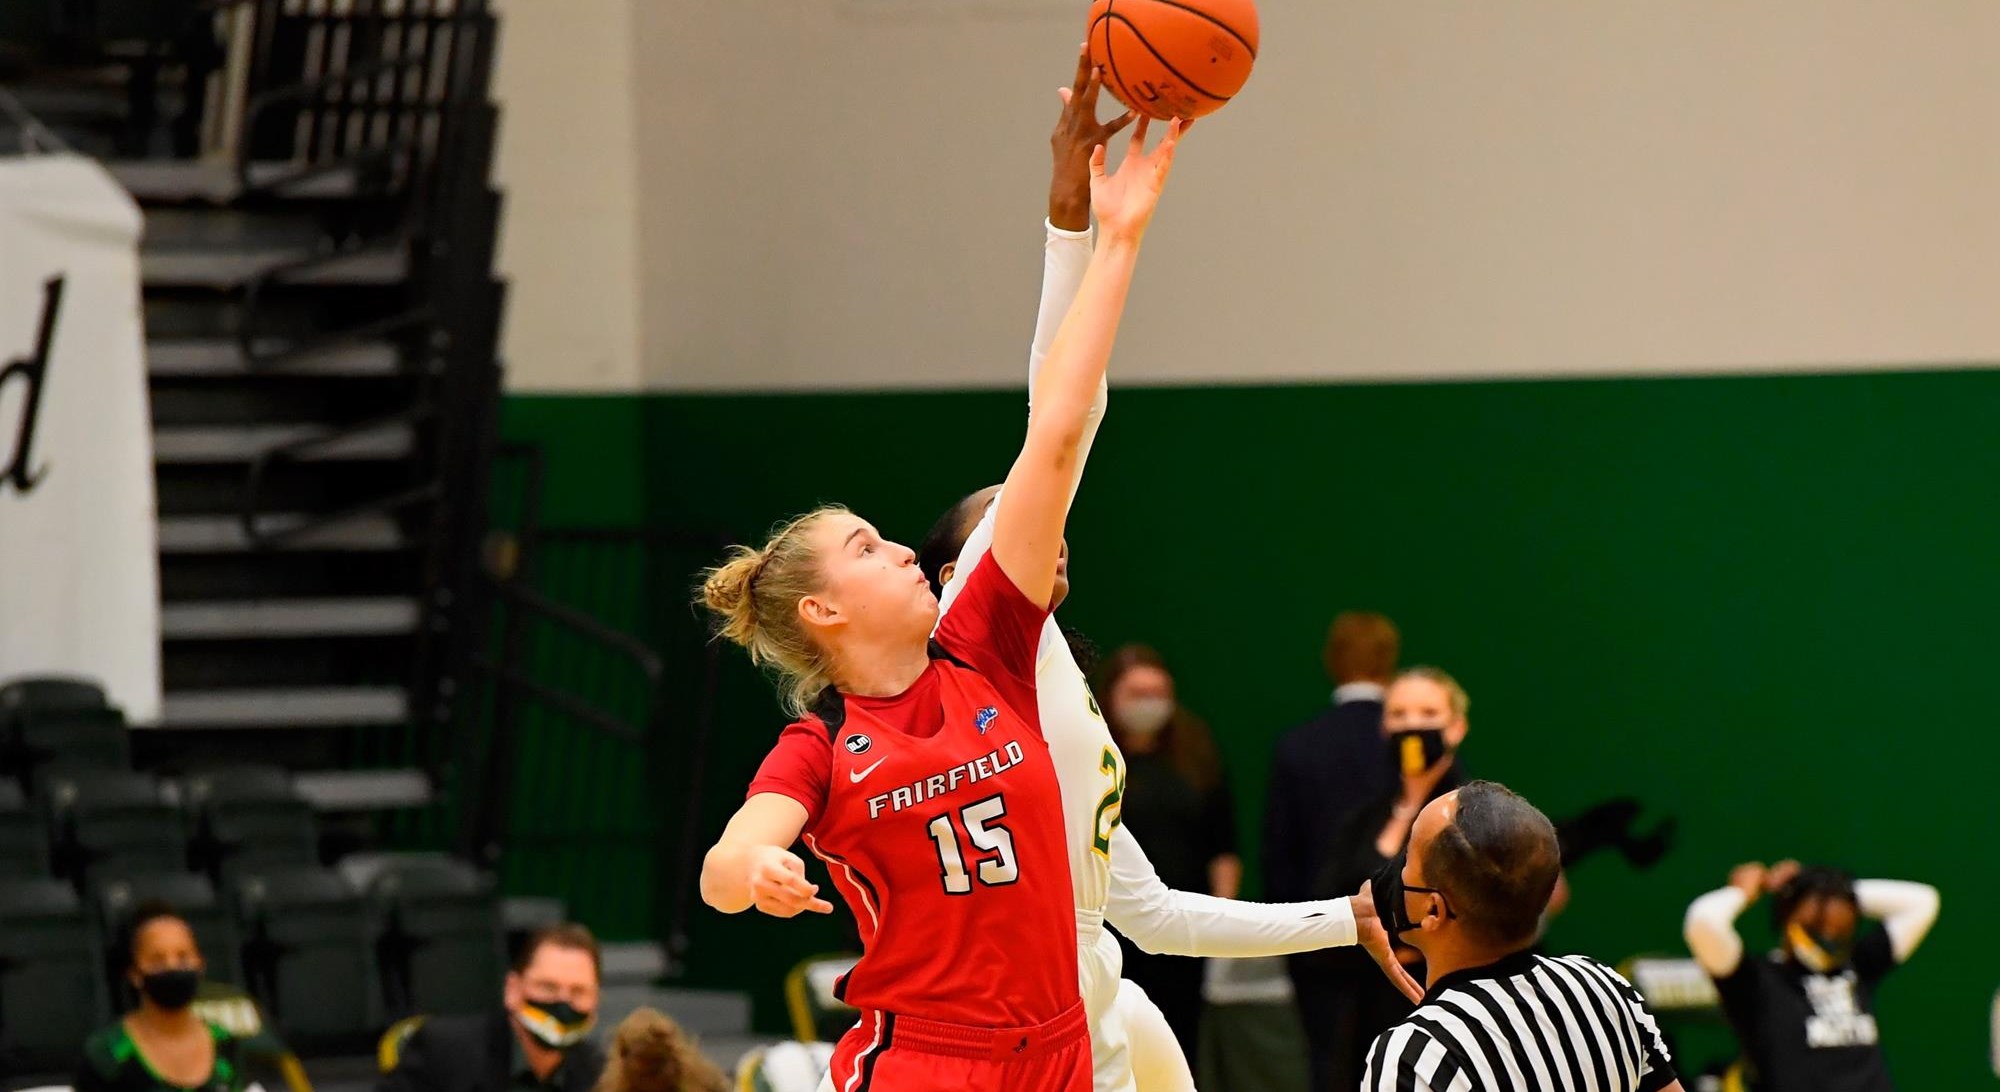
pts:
[79, 582]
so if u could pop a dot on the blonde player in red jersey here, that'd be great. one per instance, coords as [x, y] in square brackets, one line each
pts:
[917, 768]
[1131, 1043]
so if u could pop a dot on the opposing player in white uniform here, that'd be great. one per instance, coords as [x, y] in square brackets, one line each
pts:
[1132, 1046]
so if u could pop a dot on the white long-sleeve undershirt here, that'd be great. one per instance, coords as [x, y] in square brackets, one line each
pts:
[1164, 921]
[1907, 911]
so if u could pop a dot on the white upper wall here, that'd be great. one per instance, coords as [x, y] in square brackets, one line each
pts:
[848, 193]
[568, 166]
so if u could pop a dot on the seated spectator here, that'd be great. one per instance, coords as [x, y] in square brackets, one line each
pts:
[161, 1046]
[1805, 1014]
[535, 1041]
[1177, 801]
[1424, 721]
[650, 1053]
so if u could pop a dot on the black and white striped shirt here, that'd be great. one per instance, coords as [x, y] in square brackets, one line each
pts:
[1525, 1024]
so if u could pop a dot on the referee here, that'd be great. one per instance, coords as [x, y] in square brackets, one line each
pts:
[1468, 892]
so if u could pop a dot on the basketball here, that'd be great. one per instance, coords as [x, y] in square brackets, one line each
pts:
[1174, 58]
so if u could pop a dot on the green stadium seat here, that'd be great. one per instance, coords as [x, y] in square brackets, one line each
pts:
[114, 820]
[442, 949]
[310, 956]
[52, 992]
[817, 1015]
[24, 843]
[443, 945]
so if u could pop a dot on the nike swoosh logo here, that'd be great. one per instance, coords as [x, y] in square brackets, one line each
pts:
[855, 776]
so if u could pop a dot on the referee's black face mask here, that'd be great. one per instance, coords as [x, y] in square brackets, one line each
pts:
[1392, 906]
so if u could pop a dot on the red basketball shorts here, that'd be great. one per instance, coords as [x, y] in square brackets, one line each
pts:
[890, 1053]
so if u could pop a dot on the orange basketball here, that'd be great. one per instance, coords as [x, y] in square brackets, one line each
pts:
[1174, 58]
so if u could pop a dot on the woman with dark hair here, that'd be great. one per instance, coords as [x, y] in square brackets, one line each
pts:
[1805, 1014]
[161, 1046]
[1177, 799]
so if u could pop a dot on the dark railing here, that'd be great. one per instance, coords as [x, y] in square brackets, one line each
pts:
[396, 97]
[589, 756]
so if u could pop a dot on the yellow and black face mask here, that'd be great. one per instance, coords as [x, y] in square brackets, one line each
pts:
[1816, 953]
[1417, 749]
[555, 1024]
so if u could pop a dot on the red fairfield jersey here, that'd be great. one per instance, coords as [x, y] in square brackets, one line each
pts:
[939, 817]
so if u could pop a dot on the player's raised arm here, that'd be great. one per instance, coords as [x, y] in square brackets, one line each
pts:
[1066, 248]
[1028, 525]
[1066, 252]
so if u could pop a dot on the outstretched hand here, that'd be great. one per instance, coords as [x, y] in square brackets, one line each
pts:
[1077, 132]
[1124, 201]
[1370, 934]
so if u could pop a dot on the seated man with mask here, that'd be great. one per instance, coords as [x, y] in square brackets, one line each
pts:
[535, 1043]
[1805, 1014]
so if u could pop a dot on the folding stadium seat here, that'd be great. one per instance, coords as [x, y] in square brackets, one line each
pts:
[191, 896]
[441, 950]
[46, 720]
[114, 820]
[48, 692]
[73, 737]
[311, 956]
[248, 819]
[51, 976]
[817, 1015]
[24, 843]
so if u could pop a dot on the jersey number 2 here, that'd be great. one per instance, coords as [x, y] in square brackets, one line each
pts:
[998, 868]
[1110, 811]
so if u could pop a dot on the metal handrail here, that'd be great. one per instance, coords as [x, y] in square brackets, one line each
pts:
[247, 335]
[304, 91]
[36, 138]
[292, 449]
[645, 659]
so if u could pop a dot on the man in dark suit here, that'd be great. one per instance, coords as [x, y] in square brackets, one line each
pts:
[537, 1041]
[1319, 770]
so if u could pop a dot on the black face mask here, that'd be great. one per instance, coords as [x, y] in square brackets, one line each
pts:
[1414, 750]
[172, 990]
[555, 1024]
[1387, 888]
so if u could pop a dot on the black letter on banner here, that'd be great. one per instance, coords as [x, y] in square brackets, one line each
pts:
[34, 370]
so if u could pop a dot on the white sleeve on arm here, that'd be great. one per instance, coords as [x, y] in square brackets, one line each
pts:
[1065, 257]
[1164, 921]
[1710, 929]
[1907, 911]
